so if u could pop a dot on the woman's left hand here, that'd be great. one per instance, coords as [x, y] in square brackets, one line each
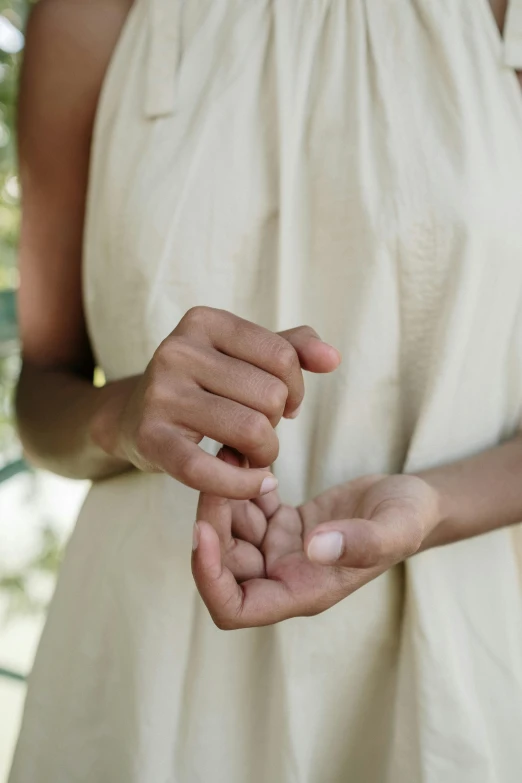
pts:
[259, 562]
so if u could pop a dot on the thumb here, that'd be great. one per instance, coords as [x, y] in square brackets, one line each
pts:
[393, 533]
[351, 543]
[314, 354]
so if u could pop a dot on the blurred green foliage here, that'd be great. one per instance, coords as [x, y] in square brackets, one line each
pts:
[18, 586]
[15, 585]
[15, 12]
[27, 586]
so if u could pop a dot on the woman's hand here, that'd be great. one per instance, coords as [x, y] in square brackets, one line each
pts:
[219, 376]
[260, 562]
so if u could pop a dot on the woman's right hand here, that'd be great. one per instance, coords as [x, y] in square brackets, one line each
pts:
[215, 375]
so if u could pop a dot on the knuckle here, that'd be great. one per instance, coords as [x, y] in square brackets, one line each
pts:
[161, 359]
[256, 430]
[197, 317]
[154, 398]
[275, 396]
[174, 352]
[285, 357]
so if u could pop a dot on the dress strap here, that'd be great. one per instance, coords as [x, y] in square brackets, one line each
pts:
[513, 35]
[164, 42]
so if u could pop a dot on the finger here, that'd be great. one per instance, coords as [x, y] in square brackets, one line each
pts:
[217, 511]
[268, 503]
[257, 602]
[277, 354]
[268, 351]
[240, 382]
[244, 340]
[244, 515]
[388, 538]
[265, 602]
[219, 590]
[244, 560]
[185, 461]
[314, 354]
[244, 429]
[241, 558]
[248, 522]
[350, 543]
[283, 536]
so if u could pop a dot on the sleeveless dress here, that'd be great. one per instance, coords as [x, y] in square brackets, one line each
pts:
[355, 165]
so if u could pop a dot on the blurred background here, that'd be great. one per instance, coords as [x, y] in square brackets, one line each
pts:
[37, 509]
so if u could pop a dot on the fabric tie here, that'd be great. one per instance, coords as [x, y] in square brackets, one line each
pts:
[164, 41]
[513, 35]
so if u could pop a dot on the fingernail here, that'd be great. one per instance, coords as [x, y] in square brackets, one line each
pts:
[295, 414]
[326, 548]
[268, 485]
[195, 537]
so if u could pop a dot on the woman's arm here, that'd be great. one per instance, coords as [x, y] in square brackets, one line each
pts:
[258, 564]
[68, 46]
[408, 513]
[215, 375]
[478, 494]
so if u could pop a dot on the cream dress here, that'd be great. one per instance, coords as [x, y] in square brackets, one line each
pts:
[355, 165]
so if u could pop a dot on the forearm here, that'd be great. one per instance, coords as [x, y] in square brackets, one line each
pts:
[58, 415]
[478, 494]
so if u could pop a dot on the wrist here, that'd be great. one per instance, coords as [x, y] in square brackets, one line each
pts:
[105, 426]
[437, 531]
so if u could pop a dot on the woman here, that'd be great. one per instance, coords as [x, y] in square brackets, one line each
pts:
[246, 168]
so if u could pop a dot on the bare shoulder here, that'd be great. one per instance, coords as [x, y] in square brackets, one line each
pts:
[79, 18]
[69, 44]
[93, 25]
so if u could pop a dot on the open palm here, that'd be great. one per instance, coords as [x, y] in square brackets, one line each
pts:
[259, 562]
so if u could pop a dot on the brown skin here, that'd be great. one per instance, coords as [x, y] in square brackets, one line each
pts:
[499, 8]
[155, 421]
[254, 561]
[216, 375]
